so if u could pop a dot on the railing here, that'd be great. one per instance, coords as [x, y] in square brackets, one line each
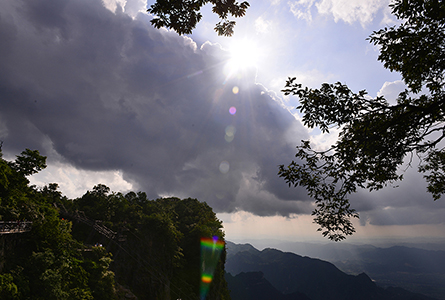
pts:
[96, 224]
[14, 226]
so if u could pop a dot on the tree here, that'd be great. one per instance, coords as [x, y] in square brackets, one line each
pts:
[375, 136]
[46, 262]
[29, 162]
[14, 190]
[183, 15]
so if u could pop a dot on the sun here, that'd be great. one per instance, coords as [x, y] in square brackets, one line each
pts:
[244, 54]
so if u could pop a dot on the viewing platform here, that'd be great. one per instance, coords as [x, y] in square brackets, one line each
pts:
[15, 226]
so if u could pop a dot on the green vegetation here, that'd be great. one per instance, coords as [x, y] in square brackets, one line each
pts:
[183, 15]
[375, 136]
[102, 245]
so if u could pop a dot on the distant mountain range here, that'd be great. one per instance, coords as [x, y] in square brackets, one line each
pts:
[418, 267]
[273, 274]
[253, 285]
[418, 270]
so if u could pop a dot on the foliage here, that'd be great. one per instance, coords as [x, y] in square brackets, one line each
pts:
[376, 136]
[160, 257]
[29, 162]
[46, 262]
[101, 277]
[183, 15]
[154, 249]
[8, 290]
[14, 189]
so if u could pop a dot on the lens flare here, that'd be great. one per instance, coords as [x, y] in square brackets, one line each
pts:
[211, 249]
[206, 278]
[232, 110]
[235, 90]
[224, 167]
[230, 133]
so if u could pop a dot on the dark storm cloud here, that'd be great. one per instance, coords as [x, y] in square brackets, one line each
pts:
[107, 91]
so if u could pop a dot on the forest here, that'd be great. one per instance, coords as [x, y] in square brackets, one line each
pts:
[103, 245]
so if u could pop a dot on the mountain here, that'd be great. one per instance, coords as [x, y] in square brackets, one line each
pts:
[420, 270]
[253, 286]
[317, 279]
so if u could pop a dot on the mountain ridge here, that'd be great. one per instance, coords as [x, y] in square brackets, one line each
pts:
[317, 279]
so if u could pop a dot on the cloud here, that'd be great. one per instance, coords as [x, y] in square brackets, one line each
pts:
[301, 9]
[402, 203]
[108, 98]
[262, 26]
[75, 182]
[391, 90]
[363, 11]
[103, 91]
[133, 7]
[244, 226]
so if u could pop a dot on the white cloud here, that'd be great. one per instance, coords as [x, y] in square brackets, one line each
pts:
[363, 11]
[133, 7]
[113, 4]
[262, 26]
[130, 7]
[74, 183]
[388, 18]
[391, 90]
[301, 9]
[312, 78]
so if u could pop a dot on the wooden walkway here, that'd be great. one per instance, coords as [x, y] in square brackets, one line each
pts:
[96, 224]
[7, 227]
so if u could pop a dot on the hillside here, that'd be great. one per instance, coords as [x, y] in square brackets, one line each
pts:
[253, 286]
[418, 267]
[317, 279]
[103, 245]
[419, 270]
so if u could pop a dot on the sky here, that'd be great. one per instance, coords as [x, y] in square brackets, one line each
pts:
[109, 99]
